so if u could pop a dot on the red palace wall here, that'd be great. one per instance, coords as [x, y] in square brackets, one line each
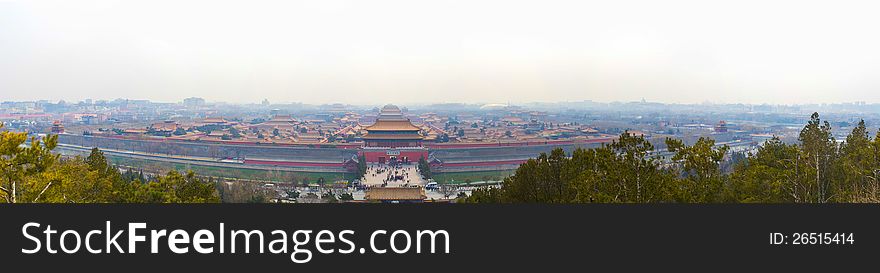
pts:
[413, 156]
[291, 163]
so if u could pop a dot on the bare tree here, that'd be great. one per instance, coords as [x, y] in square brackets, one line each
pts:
[448, 190]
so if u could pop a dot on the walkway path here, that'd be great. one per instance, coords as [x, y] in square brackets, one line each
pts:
[397, 176]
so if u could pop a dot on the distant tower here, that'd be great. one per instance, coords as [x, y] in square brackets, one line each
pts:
[57, 127]
[721, 127]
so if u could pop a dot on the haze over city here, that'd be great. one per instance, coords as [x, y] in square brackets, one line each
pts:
[374, 52]
[299, 134]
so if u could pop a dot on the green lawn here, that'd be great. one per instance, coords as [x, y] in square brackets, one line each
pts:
[239, 173]
[288, 176]
[464, 177]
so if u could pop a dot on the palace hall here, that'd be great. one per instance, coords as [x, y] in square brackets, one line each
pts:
[393, 139]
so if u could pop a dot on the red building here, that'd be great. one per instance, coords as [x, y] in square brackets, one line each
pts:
[57, 127]
[392, 139]
[721, 127]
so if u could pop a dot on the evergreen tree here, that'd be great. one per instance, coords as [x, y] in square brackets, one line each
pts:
[424, 168]
[700, 166]
[818, 152]
[859, 164]
[772, 175]
[19, 161]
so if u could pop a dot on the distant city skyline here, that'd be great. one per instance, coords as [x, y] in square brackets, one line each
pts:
[420, 52]
[494, 103]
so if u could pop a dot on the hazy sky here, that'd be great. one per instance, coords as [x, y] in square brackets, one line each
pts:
[410, 51]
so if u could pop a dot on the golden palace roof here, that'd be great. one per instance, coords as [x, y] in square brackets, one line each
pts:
[393, 136]
[214, 120]
[392, 193]
[392, 125]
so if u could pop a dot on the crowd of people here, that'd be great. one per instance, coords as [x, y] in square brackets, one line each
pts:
[391, 173]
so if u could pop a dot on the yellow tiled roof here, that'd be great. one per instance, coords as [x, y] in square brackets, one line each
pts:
[392, 125]
[394, 136]
[395, 194]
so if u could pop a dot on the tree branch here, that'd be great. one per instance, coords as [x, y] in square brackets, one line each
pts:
[6, 194]
[43, 191]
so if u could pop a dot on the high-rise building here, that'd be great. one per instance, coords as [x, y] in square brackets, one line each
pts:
[194, 101]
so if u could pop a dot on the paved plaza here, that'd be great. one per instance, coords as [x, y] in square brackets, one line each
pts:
[379, 175]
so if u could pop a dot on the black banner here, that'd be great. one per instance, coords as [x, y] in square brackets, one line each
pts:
[480, 237]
